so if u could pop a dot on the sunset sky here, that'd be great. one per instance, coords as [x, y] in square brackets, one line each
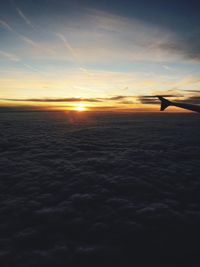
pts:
[100, 55]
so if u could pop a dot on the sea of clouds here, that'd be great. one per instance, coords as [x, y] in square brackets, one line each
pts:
[82, 189]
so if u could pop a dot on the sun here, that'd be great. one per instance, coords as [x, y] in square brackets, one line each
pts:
[80, 108]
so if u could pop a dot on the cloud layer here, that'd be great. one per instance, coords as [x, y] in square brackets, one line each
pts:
[99, 190]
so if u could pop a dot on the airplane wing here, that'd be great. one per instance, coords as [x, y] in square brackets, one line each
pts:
[166, 103]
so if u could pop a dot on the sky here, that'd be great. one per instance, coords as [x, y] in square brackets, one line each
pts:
[98, 55]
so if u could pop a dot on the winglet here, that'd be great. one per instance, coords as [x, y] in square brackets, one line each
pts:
[164, 103]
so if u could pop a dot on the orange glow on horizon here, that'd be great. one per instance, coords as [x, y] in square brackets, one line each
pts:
[83, 107]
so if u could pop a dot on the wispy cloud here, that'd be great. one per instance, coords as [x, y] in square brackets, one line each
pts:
[68, 45]
[9, 56]
[187, 45]
[6, 26]
[97, 36]
[118, 100]
[192, 91]
[24, 17]
[26, 39]
[14, 58]
[191, 99]
[109, 102]
[72, 99]
[152, 99]
[73, 52]
[106, 36]
[33, 69]
[29, 41]
[119, 97]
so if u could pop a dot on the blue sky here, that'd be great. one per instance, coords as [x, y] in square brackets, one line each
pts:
[54, 49]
